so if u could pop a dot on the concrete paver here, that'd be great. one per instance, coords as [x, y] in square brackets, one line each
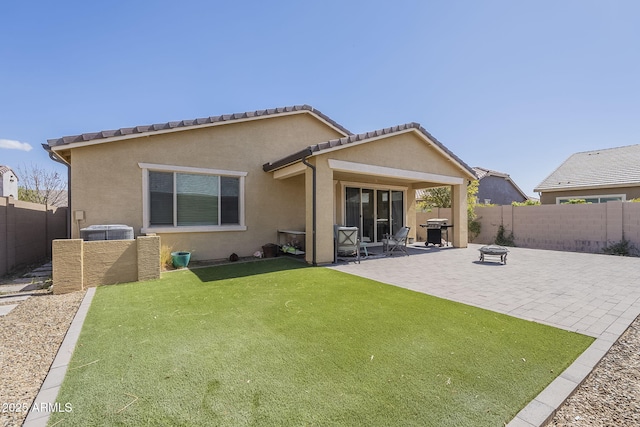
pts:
[10, 298]
[10, 290]
[6, 309]
[591, 294]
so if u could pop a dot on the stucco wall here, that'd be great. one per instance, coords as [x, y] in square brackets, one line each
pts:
[405, 151]
[78, 264]
[114, 195]
[8, 185]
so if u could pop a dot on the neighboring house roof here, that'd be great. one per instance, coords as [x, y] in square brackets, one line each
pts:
[351, 140]
[611, 167]
[5, 169]
[482, 173]
[134, 132]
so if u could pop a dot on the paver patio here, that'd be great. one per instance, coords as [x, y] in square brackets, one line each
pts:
[592, 294]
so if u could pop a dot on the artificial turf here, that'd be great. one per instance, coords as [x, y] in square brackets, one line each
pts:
[277, 343]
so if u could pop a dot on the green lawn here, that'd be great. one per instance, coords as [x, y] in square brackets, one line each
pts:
[277, 343]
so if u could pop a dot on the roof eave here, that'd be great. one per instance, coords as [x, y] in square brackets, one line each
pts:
[335, 145]
[585, 187]
[89, 139]
[289, 160]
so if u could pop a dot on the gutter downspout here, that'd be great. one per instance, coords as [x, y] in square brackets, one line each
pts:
[313, 169]
[56, 158]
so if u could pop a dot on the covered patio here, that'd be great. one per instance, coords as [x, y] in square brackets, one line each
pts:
[369, 181]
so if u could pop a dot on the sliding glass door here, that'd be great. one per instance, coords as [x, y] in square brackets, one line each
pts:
[376, 212]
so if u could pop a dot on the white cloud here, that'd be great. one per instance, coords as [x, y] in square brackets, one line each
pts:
[10, 144]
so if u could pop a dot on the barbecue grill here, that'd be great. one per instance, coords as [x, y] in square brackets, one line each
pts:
[435, 227]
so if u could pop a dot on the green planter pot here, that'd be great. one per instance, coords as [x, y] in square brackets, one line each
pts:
[180, 259]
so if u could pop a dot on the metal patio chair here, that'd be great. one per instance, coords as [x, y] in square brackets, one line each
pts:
[346, 243]
[397, 241]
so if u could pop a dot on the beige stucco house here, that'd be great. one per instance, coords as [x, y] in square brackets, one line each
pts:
[226, 184]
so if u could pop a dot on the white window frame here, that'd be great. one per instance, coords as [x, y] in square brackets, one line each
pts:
[370, 186]
[589, 196]
[146, 214]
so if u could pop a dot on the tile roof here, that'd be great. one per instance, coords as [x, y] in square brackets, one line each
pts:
[5, 169]
[147, 129]
[362, 137]
[482, 172]
[598, 168]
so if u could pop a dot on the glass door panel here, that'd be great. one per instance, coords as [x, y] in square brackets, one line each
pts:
[352, 207]
[374, 212]
[383, 214]
[368, 218]
[397, 210]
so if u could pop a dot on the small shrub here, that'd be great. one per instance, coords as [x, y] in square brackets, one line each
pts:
[474, 229]
[621, 248]
[166, 263]
[576, 202]
[504, 239]
[527, 202]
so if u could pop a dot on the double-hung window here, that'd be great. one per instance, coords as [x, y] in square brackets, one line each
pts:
[181, 199]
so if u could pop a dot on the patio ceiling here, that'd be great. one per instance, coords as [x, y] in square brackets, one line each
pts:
[361, 172]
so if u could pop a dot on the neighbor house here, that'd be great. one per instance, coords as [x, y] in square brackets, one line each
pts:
[8, 182]
[497, 188]
[598, 176]
[228, 184]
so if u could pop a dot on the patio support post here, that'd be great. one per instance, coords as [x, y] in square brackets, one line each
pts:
[410, 220]
[459, 214]
[314, 207]
[321, 211]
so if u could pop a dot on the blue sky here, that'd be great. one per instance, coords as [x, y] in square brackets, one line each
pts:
[514, 86]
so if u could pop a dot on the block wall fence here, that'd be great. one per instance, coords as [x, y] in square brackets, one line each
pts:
[575, 228]
[26, 232]
[78, 265]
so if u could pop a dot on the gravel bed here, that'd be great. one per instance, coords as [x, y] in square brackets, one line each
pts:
[30, 336]
[610, 396]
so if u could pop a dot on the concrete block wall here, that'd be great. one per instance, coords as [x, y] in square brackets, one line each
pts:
[67, 266]
[26, 232]
[631, 222]
[78, 265]
[109, 261]
[577, 228]
[490, 219]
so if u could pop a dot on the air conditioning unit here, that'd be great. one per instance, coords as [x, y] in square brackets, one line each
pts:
[107, 232]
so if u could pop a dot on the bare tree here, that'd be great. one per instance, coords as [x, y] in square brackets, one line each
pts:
[39, 185]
